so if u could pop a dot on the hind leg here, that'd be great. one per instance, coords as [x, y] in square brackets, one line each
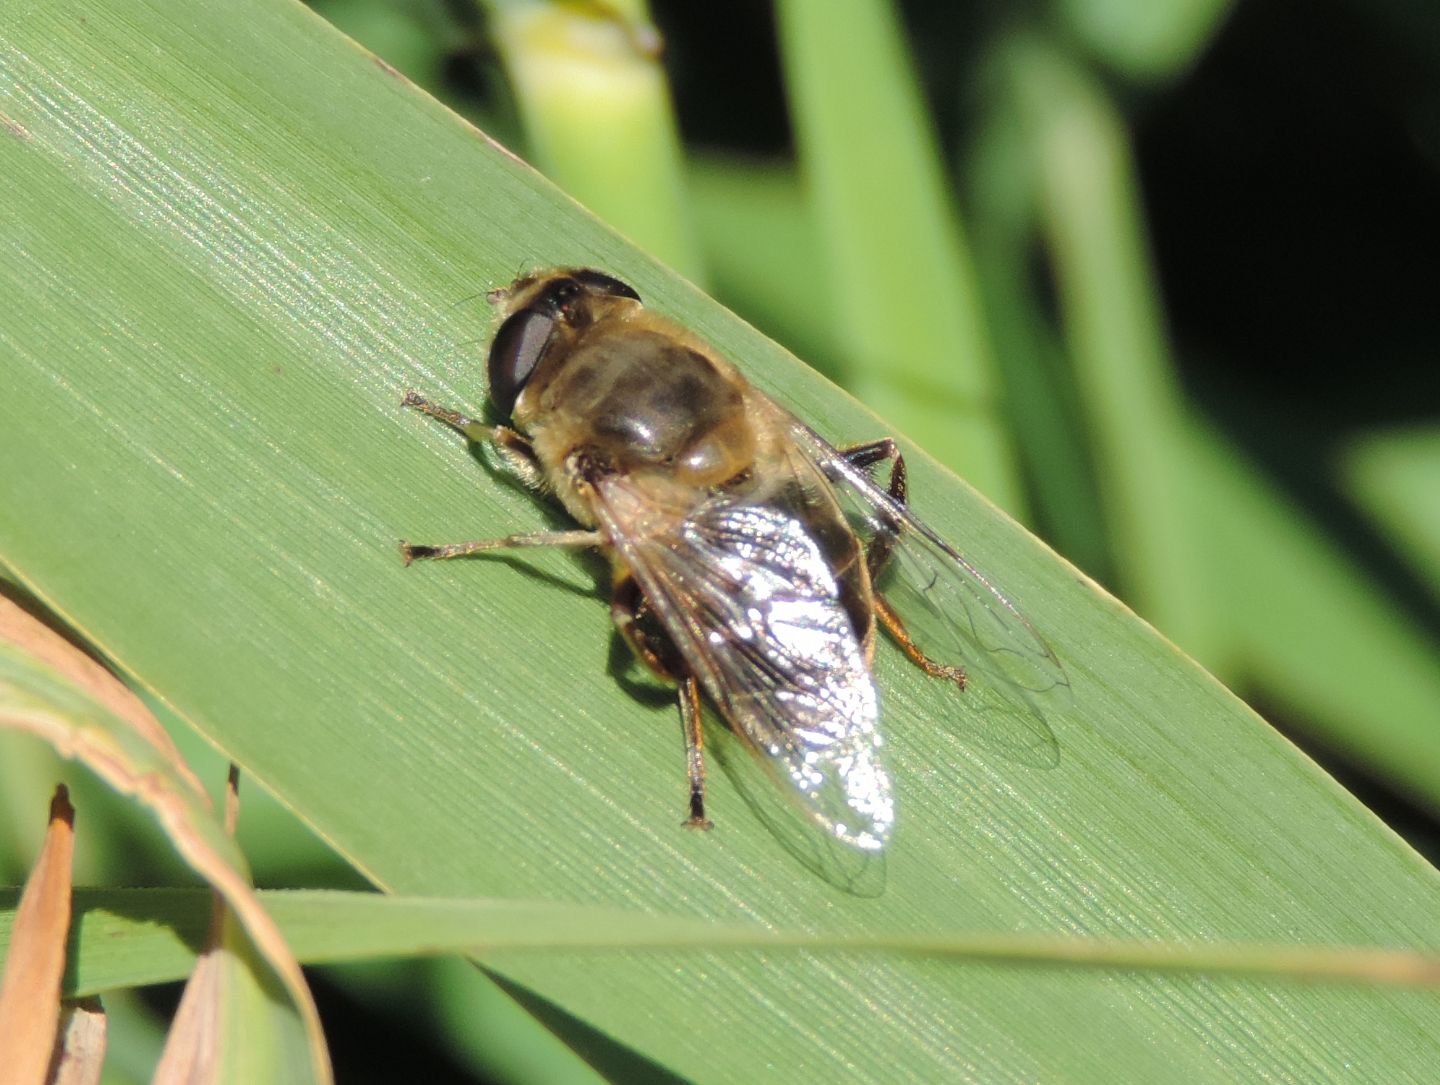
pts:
[882, 547]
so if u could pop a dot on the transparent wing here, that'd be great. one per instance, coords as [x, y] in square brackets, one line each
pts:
[753, 607]
[954, 614]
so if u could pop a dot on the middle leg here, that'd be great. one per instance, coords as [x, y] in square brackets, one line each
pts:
[630, 613]
[873, 452]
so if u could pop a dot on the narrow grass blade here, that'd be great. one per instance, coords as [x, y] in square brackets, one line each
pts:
[596, 107]
[896, 278]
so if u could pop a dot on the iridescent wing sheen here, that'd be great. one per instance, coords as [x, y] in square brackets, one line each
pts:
[745, 593]
[953, 613]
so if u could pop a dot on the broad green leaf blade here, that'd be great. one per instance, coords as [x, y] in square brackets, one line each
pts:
[234, 241]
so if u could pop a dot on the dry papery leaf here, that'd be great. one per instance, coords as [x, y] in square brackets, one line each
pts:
[30, 987]
[105, 727]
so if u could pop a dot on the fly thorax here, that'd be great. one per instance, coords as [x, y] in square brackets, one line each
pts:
[645, 402]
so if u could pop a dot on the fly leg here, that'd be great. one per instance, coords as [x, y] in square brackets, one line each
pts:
[873, 452]
[877, 553]
[628, 610]
[577, 539]
[694, 753]
[895, 626]
[519, 457]
[882, 547]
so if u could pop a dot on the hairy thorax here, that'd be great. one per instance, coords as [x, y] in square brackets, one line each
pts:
[639, 403]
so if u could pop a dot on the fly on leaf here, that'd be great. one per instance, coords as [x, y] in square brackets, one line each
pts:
[752, 560]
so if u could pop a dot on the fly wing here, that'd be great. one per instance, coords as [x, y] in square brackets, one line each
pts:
[953, 613]
[745, 593]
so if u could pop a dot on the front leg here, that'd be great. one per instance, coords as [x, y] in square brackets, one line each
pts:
[570, 539]
[516, 451]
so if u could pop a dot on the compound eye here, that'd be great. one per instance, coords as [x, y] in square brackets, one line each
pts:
[599, 283]
[519, 345]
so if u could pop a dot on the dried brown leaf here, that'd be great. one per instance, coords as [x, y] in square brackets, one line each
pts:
[80, 1054]
[134, 761]
[30, 987]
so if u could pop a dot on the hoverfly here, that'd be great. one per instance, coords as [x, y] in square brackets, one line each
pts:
[734, 533]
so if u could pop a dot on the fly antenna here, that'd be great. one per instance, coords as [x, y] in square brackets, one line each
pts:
[468, 298]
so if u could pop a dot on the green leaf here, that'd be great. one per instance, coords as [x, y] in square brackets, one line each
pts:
[133, 937]
[231, 242]
[596, 106]
[1115, 332]
[759, 242]
[1313, 631]
[234, 1024]
[893, 272]
[1212, 552]
[1391, 475]
[1145, 39]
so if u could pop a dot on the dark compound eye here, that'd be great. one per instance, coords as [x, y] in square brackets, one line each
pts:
[522, 340]
[519, 345]
[600, 283]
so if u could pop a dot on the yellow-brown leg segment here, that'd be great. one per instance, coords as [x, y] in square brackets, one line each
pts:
[578, 539]
[514, 449]
[628, 610]
[896, 628]
[469, 427]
